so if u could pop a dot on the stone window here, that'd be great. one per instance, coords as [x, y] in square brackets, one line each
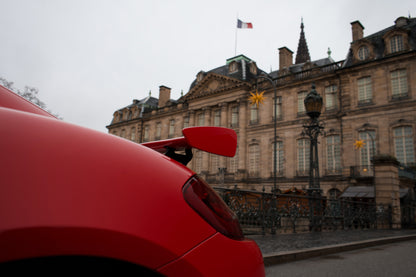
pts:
[399, 83]
[215, 163]
[146, 133]
[333, 154]
[133, 134]
[277, 106]
[303, 157]
[254, 160]
[365, 93]
[280, 157]
[198, 161]
[234, 116]
[363, 53]
[331, 97]
[233, 163]
[171, 128]
[334, 193]
[301, 105]
[403, 145]
[396, 44]
[369, 148]
[254, 114]
[233, 67]
[123, 133]
[201, 119]
[217, 118]
[186, 122]
[158, 130]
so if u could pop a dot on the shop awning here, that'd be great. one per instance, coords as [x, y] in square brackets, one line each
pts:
[365, 192]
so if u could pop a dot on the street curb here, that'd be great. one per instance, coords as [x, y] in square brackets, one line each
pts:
[290, 256]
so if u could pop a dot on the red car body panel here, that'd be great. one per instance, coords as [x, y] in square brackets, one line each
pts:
[203, 138]
[69, 190]
[11, 100]
[212, 256]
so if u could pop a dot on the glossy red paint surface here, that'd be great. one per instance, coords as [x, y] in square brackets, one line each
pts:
[68, 190]
[214, 256]
[216, 140]
[63, 179]
[11, 100]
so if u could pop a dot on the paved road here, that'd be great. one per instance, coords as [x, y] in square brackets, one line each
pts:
[395, 259]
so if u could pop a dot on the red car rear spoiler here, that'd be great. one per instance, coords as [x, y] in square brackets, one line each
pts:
[217, 140]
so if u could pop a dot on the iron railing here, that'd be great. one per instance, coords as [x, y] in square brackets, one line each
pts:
[261, 212]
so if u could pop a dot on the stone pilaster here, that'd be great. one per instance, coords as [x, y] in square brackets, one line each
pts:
[386, 174]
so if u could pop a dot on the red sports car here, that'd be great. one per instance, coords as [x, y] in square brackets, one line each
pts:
[74, 200]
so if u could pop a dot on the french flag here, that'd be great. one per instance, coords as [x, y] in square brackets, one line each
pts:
[244, 25]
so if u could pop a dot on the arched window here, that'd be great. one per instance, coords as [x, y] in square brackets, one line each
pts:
[334, 193]
[233, 163]
[369, 149]
[363, 53]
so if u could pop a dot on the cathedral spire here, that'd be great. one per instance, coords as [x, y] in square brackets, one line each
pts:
[303, 53]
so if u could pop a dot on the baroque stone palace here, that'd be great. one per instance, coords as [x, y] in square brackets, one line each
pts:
[370, 97]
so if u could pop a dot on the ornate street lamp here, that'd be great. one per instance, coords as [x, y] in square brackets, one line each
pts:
[312, 128]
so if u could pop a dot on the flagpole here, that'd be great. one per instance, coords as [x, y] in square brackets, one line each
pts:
[235, 47]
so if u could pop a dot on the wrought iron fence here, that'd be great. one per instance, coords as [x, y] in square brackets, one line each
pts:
[261, 212]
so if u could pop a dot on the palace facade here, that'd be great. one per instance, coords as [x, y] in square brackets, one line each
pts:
[370, 97]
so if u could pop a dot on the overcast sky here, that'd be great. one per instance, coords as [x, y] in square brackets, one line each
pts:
[90, 58]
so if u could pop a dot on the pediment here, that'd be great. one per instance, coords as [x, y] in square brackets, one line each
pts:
[213, 83]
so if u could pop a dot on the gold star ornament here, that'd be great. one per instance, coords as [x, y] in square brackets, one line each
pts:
[359, 144]
[257, 98]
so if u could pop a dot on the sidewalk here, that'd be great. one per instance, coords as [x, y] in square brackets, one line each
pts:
[281, 248]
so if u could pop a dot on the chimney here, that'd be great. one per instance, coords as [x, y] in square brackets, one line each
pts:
[357, 30]
[164, 96]
[285, 57]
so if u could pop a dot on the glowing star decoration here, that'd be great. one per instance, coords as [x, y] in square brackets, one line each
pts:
[256, 98]
[359, 144]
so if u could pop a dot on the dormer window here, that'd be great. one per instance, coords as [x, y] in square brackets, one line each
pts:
[363, 53]
[253, 68]
[200, 76]
[232, 67]
[396, 44]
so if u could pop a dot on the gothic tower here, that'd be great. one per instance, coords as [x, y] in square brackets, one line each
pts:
[302, 55]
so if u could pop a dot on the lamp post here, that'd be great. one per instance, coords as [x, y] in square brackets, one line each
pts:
[312, 128]
[270, 80]
[373, 146]
[273, 214]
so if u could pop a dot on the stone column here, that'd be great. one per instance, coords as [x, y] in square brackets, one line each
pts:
[242, 138]
[386, 181]
[223, 123]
